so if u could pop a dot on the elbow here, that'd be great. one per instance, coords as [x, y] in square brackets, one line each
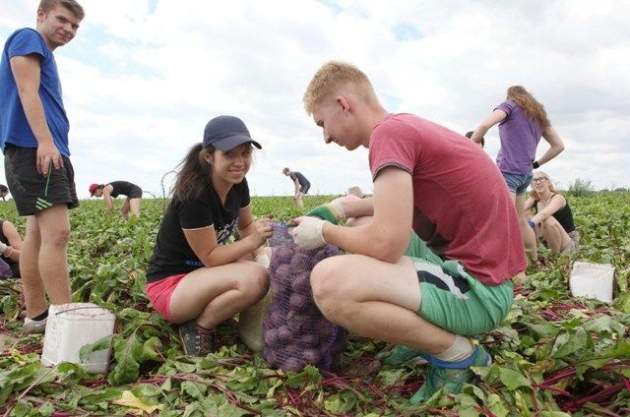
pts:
[211, 259]
[209, 262]
[560, 147]
[389, 250]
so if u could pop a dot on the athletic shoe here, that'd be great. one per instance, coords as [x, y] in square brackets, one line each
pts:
[31, 326]
[401, 354]
[196, 340]
[451, 379]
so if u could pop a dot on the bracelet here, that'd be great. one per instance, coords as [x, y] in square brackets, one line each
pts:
[535, 164]
[531, 224]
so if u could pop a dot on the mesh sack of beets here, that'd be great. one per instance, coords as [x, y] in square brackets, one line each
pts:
[296, 333]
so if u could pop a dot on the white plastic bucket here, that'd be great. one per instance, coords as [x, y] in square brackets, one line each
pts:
[71, 326]
[592, 281]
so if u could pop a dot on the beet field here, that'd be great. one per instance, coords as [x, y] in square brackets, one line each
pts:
[554, 355]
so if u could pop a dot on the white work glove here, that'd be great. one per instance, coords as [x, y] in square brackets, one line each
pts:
[308, 234]
[3, 248]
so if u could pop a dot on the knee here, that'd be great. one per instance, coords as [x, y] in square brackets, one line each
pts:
[258, 282]
[326, 287]
[548, 223]
[57, 238]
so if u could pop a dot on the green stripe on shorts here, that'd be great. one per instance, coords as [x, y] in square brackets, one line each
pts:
[453, 299]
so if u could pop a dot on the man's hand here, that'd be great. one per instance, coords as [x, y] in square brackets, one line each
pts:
[332, 212]
[308, 234]
[47, 153]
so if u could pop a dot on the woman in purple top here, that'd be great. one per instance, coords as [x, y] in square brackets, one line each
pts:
[522, 121]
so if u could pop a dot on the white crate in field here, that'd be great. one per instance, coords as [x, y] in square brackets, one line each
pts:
[592, 281]
[71, 326]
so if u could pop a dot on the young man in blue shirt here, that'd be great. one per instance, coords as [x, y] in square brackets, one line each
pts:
[34, 138]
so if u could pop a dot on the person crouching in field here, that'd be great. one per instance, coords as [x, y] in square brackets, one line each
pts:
[109, 191]
[552, 221]
[456, 283]
[196, 277]
[4, 191]
[10, 245]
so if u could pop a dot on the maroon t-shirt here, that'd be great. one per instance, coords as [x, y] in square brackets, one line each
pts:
[462, 208]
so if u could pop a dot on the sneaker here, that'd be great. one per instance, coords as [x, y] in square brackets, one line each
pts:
[401, 354]
[31, 326]
[196, 340]
[452, 380]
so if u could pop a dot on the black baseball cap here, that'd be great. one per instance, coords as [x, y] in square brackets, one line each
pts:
[226, 133]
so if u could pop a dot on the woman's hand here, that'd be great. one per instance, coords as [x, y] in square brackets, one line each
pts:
[261, 231]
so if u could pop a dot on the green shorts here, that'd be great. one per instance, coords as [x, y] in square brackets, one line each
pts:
[453, 299]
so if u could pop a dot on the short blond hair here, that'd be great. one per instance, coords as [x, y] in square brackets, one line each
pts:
[335, 77]
[72, 5]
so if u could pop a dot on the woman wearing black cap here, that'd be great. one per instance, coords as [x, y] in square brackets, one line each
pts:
[198, 277]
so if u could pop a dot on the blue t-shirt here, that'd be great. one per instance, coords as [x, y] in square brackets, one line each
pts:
[14, 127]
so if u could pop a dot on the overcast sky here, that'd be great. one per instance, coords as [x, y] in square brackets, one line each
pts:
[142, 77]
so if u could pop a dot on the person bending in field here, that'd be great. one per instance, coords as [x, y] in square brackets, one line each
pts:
[113, 189]
[34, 132]
[196, 277]
[456, 282]
[552, 221]
[10, 245]
[522, 121]
[302, 185]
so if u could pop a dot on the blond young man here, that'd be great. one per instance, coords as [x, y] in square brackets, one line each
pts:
[429, 296]
[34, 137]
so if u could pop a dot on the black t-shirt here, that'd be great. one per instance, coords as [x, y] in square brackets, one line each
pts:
[301, 179]
[172, 254]
[122, 187]
[564, 217]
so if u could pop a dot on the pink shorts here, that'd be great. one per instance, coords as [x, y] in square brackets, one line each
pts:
[160, 292]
